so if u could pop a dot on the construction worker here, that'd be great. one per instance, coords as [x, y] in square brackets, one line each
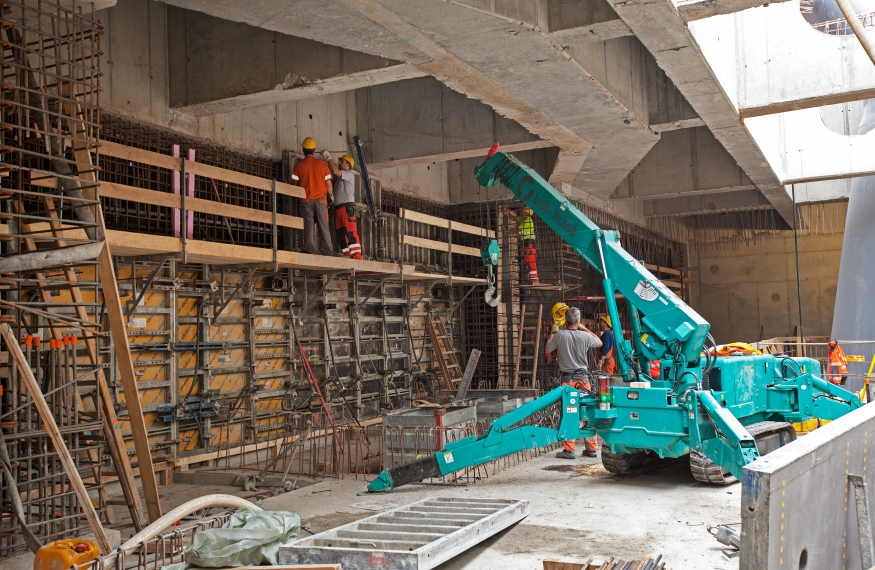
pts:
[838, 363]
[526, 228]
[607, 362]
[313, 175]
[572, 345]
[345, 221]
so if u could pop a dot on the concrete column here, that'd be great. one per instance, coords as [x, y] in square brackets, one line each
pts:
[855, 294]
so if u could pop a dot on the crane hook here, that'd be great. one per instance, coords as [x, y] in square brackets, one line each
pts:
[490, 296]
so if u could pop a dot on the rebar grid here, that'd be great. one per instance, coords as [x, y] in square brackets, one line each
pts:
[49, 125]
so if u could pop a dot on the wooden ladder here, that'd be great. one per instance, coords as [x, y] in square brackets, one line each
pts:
[444, 351]
[529, 336]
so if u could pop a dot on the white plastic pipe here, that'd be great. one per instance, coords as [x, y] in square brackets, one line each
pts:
[857, 26]
[205, 502]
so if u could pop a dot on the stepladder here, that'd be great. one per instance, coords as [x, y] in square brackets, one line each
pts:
[444, 352]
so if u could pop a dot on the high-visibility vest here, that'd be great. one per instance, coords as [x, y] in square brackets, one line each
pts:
[838, 364]
[526, 227]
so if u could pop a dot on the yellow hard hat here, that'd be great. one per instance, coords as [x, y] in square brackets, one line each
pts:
[309, 144]
[528, 211]
[349, 159]
[607, 319]
[559, 310]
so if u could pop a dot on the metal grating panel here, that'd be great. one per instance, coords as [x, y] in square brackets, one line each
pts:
[418, 536]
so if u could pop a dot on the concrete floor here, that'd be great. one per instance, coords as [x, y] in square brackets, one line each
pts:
[573, 516]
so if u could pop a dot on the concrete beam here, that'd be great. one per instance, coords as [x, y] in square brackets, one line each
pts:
[630, 73]
[280, 94]
[332, 23]
[527, 79]
[770, 60]
[684, 163]
[474, 153]
[707, 204]
[677, 125]
[599, 32]
[423, 121]
[663, 32]
[691, 10]
[242, 66]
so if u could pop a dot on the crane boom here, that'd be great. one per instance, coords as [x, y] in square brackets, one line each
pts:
[663, 326]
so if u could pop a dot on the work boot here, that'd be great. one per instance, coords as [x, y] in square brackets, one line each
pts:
[565, 455]
[589, 453]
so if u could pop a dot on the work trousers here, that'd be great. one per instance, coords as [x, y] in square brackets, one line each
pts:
[530, 257]
[316, 210]
[592, 443]
[347, 231]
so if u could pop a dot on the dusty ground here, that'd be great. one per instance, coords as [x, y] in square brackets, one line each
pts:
[578, 513]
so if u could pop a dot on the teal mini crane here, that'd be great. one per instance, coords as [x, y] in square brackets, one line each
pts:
[723, 411]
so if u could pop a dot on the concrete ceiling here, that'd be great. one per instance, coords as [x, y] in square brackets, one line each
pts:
[519, 59]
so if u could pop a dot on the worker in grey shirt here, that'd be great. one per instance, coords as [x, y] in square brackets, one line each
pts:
[572, 345]
[345, 220]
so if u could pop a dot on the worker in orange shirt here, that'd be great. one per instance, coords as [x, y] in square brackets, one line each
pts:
[838, 363]
[607, 363]
[313, 175]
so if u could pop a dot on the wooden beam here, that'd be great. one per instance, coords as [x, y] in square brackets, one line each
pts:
[439, 246]
[57, 439]
[156, 198]
[411, 216]
[115, 315]
[138, 512]
[198, 169]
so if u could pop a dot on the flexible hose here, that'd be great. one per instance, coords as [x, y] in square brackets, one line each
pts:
[205, 502]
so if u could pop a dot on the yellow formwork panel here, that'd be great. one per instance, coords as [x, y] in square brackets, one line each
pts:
[222, 435]
[228, 332]
[151, 418]
[188, 386]
[229, 384]
[186, 306]
[231, 358]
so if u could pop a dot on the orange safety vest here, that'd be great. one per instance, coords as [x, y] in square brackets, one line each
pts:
[838, 364]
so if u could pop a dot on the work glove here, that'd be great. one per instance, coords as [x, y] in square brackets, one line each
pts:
[554, 329]
[326, 155]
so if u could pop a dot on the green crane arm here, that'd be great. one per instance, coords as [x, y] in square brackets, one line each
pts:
[663, 326]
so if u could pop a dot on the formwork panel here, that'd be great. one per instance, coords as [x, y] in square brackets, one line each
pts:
[797, 504]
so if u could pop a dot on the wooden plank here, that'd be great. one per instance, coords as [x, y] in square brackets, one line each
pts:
[560, 565]
[57, 439]
[198, 169]
[138, 512]
[412, 216]
[115, 315]
[661, 269]
[440, 246]
[165, 199]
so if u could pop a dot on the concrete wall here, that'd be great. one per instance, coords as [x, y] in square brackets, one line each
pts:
[742, 292]
[135, 80]
[427, 181]
[138, 71]
[212, 58]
